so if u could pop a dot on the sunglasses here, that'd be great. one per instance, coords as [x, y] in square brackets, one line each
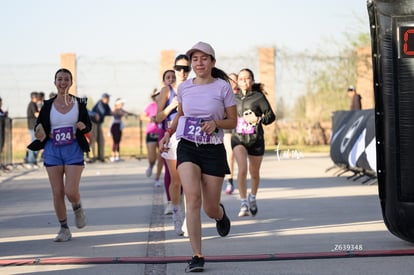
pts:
[180, 67]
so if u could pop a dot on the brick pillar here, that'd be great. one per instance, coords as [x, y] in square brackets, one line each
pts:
[68, 61]
[364, 85]
[267, 72]
[167, 58]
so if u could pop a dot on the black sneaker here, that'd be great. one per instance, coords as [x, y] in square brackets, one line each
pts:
[195, 265]
[223, 225]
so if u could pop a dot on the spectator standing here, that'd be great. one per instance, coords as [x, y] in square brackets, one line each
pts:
[40, 99]
[206, 106]
[247, 141]
[52, 94]
[3, 116]
[116, 127]
[91, 157]
[32, 114]
[101, 109]
[2, 112]
[355, 99]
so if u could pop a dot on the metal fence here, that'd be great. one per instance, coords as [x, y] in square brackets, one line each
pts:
[6, 150]
[14, 138]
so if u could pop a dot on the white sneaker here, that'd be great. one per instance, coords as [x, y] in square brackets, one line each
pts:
[168, 209]
[80, 218]
[184, 228]
[63, 235]
[157, 183]
[229, 188]
[178, 223]
[112, 159]
[244, 210]
[148, 172]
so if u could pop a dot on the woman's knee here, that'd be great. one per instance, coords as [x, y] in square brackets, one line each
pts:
[211, 210]
[192, 202]
[254, 173]
[242, 172]
[58, 194]
[72, 194]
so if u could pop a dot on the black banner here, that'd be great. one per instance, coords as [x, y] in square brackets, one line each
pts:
[353, 140]
[392, 37]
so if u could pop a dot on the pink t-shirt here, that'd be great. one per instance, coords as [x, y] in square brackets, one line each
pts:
[207, 102]
[151, 111]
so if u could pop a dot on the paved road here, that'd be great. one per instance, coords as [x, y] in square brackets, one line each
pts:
[310, 221]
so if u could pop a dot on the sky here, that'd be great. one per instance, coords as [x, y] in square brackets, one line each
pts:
[35, 32]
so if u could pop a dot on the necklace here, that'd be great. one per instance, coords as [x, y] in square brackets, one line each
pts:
[62, 105]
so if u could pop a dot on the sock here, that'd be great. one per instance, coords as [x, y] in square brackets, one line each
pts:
[252, 197]
[64, 223]
[244, 201]
[76, 206]
[230, 180]
[176, 208]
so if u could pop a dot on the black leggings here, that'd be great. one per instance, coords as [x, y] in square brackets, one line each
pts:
[116, 136]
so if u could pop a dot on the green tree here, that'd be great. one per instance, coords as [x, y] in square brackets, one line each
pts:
[326, 87]
[326, 79]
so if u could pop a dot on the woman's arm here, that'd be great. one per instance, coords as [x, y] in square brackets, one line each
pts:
[174, 123]
[163, 144]
[164, 111]
[268, 114]
[84, 118]
[230, 120]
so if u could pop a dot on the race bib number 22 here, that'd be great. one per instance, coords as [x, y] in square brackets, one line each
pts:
[193, 132]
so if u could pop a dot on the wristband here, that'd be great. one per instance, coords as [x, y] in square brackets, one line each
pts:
[170, 131]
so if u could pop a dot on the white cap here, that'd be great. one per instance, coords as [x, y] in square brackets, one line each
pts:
[202, 47]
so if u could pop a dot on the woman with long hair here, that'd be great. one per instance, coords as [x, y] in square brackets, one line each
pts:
[60, 130]
[206, 106]
[167, 110]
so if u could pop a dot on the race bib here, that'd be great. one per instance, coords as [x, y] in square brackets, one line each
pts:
[63, 136]
[243, 127]
[193, 132]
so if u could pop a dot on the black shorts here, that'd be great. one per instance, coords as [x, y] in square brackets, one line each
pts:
[152, 138]
[256, 149]
[210, 158]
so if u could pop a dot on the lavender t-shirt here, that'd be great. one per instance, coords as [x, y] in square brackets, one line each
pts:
[205, 101]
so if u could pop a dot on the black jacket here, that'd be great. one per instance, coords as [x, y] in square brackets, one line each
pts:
[258, 103]
[102, 110]
[44, 119]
